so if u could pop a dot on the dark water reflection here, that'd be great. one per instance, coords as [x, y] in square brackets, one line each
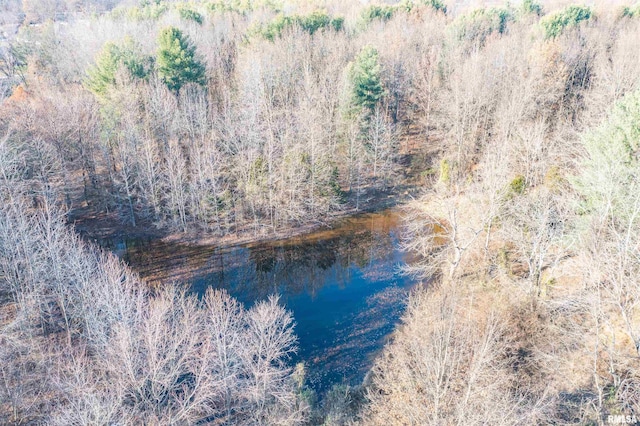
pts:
[342, 285]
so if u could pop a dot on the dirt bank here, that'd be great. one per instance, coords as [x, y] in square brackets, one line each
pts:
[98, 226]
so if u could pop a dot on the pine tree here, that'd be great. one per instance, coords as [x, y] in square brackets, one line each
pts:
[113, 56]
[365, 79]
[610, 175]
[177, 62]
[103, 74]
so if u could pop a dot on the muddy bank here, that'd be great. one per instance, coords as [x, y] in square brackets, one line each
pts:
[99, 226]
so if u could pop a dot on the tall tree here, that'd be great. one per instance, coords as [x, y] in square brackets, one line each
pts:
[110, 60]
[177, 62]
[364, 77]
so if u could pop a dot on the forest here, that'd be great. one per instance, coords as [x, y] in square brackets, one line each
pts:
[507, 134]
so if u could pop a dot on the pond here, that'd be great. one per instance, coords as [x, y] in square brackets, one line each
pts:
[343, 285]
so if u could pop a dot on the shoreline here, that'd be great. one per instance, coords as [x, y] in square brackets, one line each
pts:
[101, 227]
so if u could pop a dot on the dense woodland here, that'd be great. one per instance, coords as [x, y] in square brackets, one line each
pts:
[518, 125]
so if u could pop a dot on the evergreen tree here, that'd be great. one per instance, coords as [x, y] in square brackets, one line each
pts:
[103, 74]
[177, 62]
[610, 175]
[113, 56]
[569, 17]
[364, 77]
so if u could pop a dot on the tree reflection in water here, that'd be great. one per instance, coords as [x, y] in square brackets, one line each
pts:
[342, 284]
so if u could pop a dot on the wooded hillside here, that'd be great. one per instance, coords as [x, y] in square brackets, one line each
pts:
[512, 131]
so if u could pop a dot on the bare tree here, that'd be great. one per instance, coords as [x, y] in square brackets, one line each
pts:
[451, 371]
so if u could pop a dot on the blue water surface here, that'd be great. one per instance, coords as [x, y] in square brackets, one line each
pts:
[344, 287]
